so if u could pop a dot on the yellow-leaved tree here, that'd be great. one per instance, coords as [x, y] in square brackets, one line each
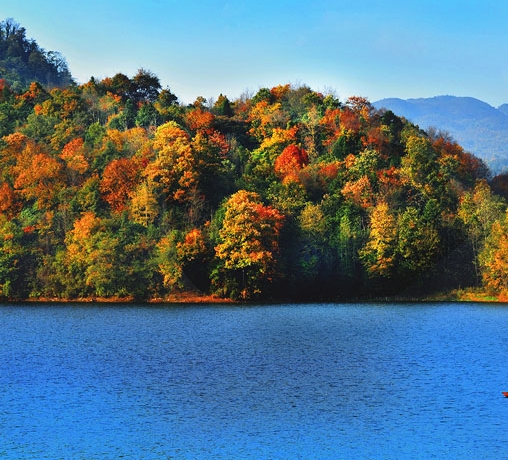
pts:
[247, 245]
[379, 253]
[174, 169]
[494, 259]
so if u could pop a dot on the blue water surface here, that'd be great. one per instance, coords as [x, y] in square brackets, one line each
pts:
[353, 381]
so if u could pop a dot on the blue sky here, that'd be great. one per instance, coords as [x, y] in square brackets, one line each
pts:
[370, 48]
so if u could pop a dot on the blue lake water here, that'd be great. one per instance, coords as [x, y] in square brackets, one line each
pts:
[317, 381]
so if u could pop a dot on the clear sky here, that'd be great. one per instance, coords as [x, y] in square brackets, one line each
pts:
[370, 48]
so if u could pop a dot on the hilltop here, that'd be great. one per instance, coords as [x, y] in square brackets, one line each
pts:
[23, 61]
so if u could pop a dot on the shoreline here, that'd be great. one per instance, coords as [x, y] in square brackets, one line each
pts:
[198, 298]
[180, 298]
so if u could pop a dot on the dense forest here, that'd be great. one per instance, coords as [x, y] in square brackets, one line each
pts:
[113, 188]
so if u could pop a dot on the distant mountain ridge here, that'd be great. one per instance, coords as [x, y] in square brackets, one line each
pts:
[477, 126]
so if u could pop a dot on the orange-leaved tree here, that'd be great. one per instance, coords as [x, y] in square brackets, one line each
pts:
[290, 162]
[39, 176]
[75, 156]
[119, 180]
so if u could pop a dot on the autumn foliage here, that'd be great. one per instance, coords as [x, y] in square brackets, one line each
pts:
[113, 188]
[290, 162]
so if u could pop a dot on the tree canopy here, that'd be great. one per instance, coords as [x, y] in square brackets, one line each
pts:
[113, 188]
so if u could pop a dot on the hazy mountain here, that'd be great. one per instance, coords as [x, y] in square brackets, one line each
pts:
[480, 128]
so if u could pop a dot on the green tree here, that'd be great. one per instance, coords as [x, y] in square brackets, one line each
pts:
[146, 86]
[168, 263]
[309, 253]
[478, 210]
[419, 246]
[420, 166]
[167, 106]
[147, 116]
[222, 106]
[107, 257]
[15, 261]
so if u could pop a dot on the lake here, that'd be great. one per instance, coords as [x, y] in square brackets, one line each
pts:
[314, 381]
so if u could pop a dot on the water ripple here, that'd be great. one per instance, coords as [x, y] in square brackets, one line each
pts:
[285, 381]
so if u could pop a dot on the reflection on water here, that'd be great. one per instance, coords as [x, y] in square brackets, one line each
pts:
[285, 381]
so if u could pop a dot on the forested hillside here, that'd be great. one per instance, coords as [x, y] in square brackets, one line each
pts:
[22, 61]
[115, 189]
